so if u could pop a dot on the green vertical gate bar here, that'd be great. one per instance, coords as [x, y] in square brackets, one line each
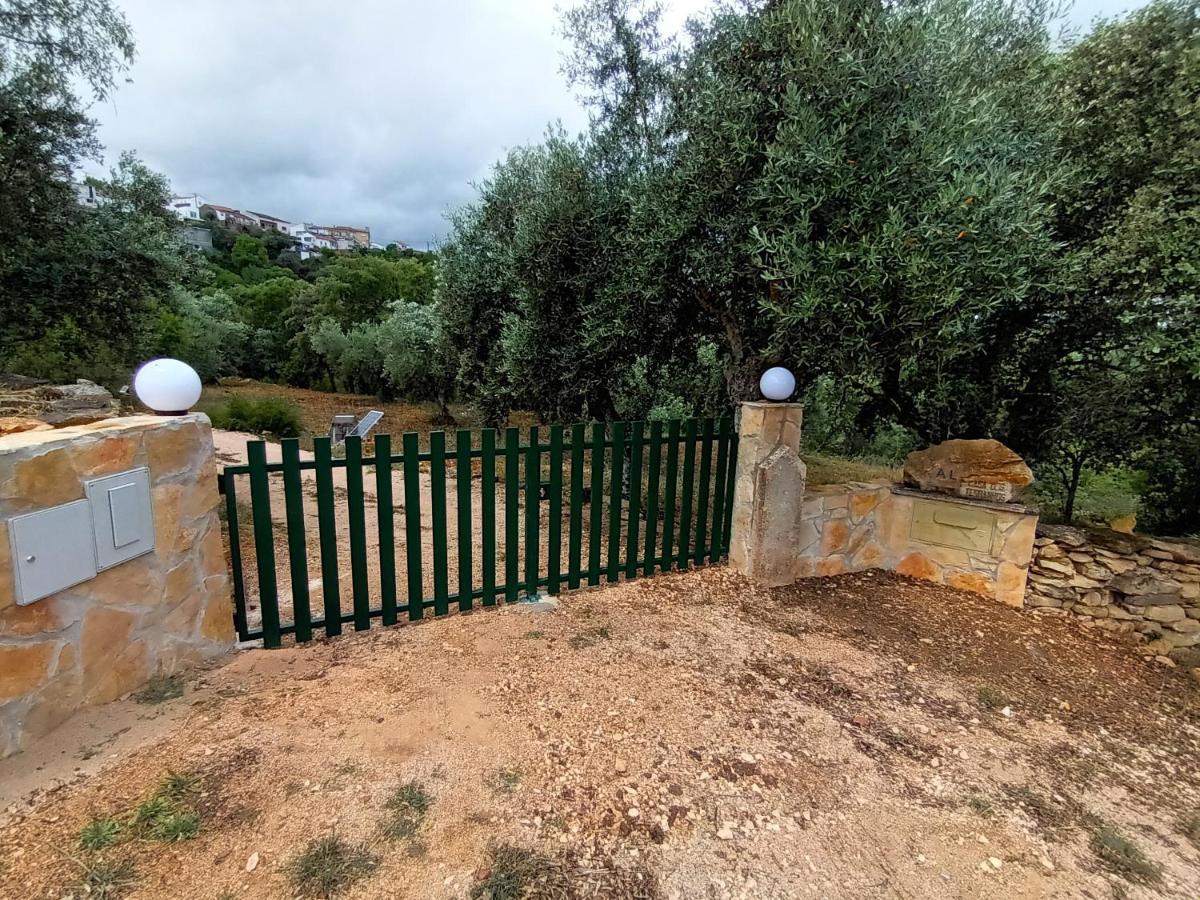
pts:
[718, 519]
[654, 465]
[554, 546]
[357, 515]
[689, 485]
[293, 501]
[512, 502]
[706, 446]
[575, 528]
[235, 556]
[462, 484]
[437, 516]
[668, 535]
[635, 499]
[616, 486]
[596, 516]
[385, 515]
[487, 496]
[264, 542]
[533, 479]
[412, 524]
[331, 598]
[730, 476]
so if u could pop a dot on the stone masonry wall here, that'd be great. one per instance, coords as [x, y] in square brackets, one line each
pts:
[970, 545]
[1122, 583]
[105, 637]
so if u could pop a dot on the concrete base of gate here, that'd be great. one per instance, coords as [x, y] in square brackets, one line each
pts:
[106, 636]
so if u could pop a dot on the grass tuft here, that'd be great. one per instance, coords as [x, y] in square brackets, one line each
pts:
[511, 873]
[533, 635]
[990, 698]
[507, 780]
[408, 805]
[1123, 857]
[161, 688]
[101, 832]
[981, 806]
[1191, 828]
[107, 879]
[328, 865]
[165, 815]
[589, 637]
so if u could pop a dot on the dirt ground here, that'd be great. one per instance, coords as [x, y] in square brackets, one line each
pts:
[687, 736]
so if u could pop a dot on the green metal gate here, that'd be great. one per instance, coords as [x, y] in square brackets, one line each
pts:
[585, 503]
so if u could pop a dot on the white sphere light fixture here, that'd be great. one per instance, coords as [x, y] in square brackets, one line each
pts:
[777, 383]
[170, 387]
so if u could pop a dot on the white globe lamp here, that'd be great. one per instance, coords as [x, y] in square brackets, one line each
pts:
[777, 383]
[170, 387]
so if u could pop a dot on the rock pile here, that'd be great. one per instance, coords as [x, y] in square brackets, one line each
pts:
[1121, 583]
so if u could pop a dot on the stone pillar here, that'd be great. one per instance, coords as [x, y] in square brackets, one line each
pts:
[102, 638]
[768, 493]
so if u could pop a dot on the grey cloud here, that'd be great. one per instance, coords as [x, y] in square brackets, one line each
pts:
[360, 112]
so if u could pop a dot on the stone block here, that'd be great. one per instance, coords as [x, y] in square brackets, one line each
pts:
[918, 565]
[862, 503]
[829, 565]
[125, 671]
[834, 537]
[1010, 583]
[24, 667]
[104, 630]
[44, 617]
[983, 469]
[47, 479]
[974, 582]
[870, 556]
[217, 622]
[1171, 613]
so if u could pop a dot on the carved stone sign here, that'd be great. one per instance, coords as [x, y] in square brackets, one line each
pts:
[977, 469]
[953, 525]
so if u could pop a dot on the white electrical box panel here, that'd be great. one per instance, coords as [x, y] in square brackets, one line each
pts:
[122, 519]
[52, 550]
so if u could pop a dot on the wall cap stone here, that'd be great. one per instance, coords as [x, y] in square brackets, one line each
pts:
[1017, 508]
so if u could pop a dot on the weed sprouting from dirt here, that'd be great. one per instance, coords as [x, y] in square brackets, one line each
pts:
[327, 865]
[161, 688]
[516, 873]
[107, 879]
[990, 698]
[506, 780]
[407, 805]
[101, 832]
[1191, 828]
[1122, 856]
[533, 635]
[1050, 816]
[165, 815]
[510, 874]
[981, 806]
[588, 637]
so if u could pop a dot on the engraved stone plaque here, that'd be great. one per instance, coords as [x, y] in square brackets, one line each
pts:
[950, 525]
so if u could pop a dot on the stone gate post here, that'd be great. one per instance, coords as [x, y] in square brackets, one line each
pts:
[768, 493]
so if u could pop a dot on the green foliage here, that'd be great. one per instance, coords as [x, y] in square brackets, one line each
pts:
[328, 865]
[249, 252]
[100, 832]
[258, 415]
[203, 331]
[1123, 857]
[407, 807]
[166, 815]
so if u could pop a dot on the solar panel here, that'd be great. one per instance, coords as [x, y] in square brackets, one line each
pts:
[366, 423]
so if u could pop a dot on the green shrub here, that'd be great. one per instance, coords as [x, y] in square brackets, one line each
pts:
[258, 415]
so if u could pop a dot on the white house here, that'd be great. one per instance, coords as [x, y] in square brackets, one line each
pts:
[186, 206]
[86, 195]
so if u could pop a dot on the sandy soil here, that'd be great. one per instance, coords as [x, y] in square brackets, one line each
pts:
[863, 736]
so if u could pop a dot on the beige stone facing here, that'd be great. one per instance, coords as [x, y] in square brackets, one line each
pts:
[102, 639]
[982, 547]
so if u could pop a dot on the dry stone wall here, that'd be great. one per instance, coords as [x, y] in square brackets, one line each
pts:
[103, 638]
[1125, 584]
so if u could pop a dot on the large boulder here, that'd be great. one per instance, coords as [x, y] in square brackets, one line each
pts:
[978, 469]
[58, 405]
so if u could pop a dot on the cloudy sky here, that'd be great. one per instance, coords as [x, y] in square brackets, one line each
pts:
[366, 112]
